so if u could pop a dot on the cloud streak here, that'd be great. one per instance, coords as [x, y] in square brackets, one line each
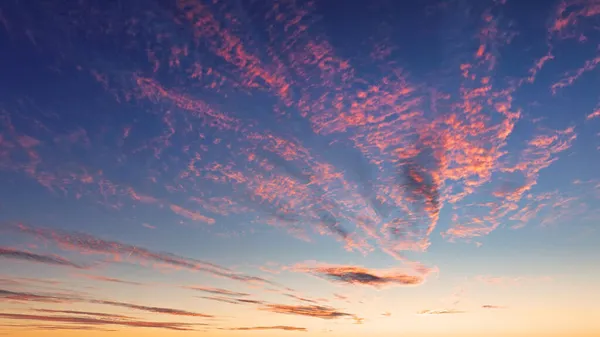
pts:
[276, 327]
[216, 291]
[32, 257]
[89, 244]
[70, 298]
[159, 310]
[86, 313]
[31, 297]
[108, 279]
[99, 321]
[440, 312]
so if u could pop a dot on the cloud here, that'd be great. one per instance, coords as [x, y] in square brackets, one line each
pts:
[340, 297]
[87, 313]
[32, 257]
[419, 183]
[316, 311]
[30, 297]
[361, 276]
[108, 279]
[191, 214]
[86, 243]
[99, 321]
[488, 306]
[232, 300]
[158, 310]
[28, 280]
[48, 327]
[440, 312]
[221, 299]
[216, 291]
[595, 114]
[300, 298]
[276, 327]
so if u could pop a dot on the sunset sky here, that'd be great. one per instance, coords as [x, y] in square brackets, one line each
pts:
[299, 168]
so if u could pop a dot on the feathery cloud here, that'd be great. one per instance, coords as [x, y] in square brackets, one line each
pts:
[99, 321]
[32, 257]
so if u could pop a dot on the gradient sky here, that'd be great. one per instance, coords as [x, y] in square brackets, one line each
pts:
[299, 168]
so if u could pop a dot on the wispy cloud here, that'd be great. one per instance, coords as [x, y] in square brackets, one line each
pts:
[10, 253]
[440, 312]
[216, 291]
[488, 306]
[30, 297]
[231, 300]
[99, 321]
[66, 298]
[49, 327]
[108, 279]
[300, 298]
[87, 313]
[276, 327]
[90, 244]
[159, 310]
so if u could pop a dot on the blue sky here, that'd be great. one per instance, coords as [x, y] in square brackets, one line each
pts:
[284, 167]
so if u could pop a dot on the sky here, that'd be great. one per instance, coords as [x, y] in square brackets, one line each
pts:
[232, 168]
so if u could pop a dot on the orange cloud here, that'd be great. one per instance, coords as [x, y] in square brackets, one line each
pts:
[276, 327]
[440, 312]
[191, 214]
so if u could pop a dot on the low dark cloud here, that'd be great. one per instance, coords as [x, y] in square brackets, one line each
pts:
[316, 311]
[362, 276]
[247, 301]
[99, 321]
[15, 254]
